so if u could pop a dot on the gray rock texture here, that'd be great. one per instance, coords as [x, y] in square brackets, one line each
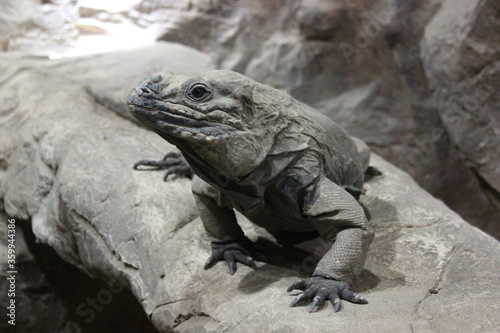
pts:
[67, 153]
[461, 57]
[36, 26]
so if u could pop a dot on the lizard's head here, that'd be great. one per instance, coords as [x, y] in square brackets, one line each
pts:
[221, 117]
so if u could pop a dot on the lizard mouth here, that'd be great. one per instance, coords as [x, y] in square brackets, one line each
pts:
[170, 119]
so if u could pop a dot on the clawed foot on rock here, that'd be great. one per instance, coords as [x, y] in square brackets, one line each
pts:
[319, 289]
[173, 162]
[241, 250]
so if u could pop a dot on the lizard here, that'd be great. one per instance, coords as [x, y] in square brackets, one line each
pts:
[282, 164]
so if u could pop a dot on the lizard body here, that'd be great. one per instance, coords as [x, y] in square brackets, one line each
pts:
[279, 162]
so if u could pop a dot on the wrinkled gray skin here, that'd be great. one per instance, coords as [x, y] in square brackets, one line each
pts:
[282, 164]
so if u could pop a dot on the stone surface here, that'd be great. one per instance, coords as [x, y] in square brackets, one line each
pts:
[67, 169]
[462, 61]
[36, 26]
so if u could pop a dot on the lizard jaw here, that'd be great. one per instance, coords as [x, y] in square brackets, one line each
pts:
[179, 126]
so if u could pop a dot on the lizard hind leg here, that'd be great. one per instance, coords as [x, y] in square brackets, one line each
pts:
[173, 162]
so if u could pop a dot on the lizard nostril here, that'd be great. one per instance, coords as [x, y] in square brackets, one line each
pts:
[143, 90]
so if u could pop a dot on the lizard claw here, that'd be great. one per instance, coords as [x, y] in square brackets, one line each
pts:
[318, 299]
[319, 289]
[233, 252]
[172, 162]
[336, 304]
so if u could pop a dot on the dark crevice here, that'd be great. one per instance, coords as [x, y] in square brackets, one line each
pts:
[87, 300]
[181, 318]
[492, 194]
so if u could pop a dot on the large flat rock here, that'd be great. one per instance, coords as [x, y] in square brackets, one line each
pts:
[68, 157]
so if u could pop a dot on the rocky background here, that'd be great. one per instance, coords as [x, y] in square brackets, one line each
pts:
[417, 80]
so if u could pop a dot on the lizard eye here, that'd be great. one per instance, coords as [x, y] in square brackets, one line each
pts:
[199, 92]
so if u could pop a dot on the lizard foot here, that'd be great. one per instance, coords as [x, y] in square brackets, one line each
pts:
[319, 289]
[173, 162]
[241, 250]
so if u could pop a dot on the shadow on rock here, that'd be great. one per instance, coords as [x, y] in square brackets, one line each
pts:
[365, 281]
[295, 255]
[385, 220]
[300, 252]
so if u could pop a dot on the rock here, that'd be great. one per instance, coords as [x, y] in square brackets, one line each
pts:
[63, 294]
[34, 26]
[33, 292]
[462, 61]
[68, 170]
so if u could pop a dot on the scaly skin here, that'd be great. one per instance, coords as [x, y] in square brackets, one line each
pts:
[280, 163]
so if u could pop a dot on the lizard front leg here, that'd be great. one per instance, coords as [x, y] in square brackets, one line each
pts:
[229, 243]
[337, 216]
